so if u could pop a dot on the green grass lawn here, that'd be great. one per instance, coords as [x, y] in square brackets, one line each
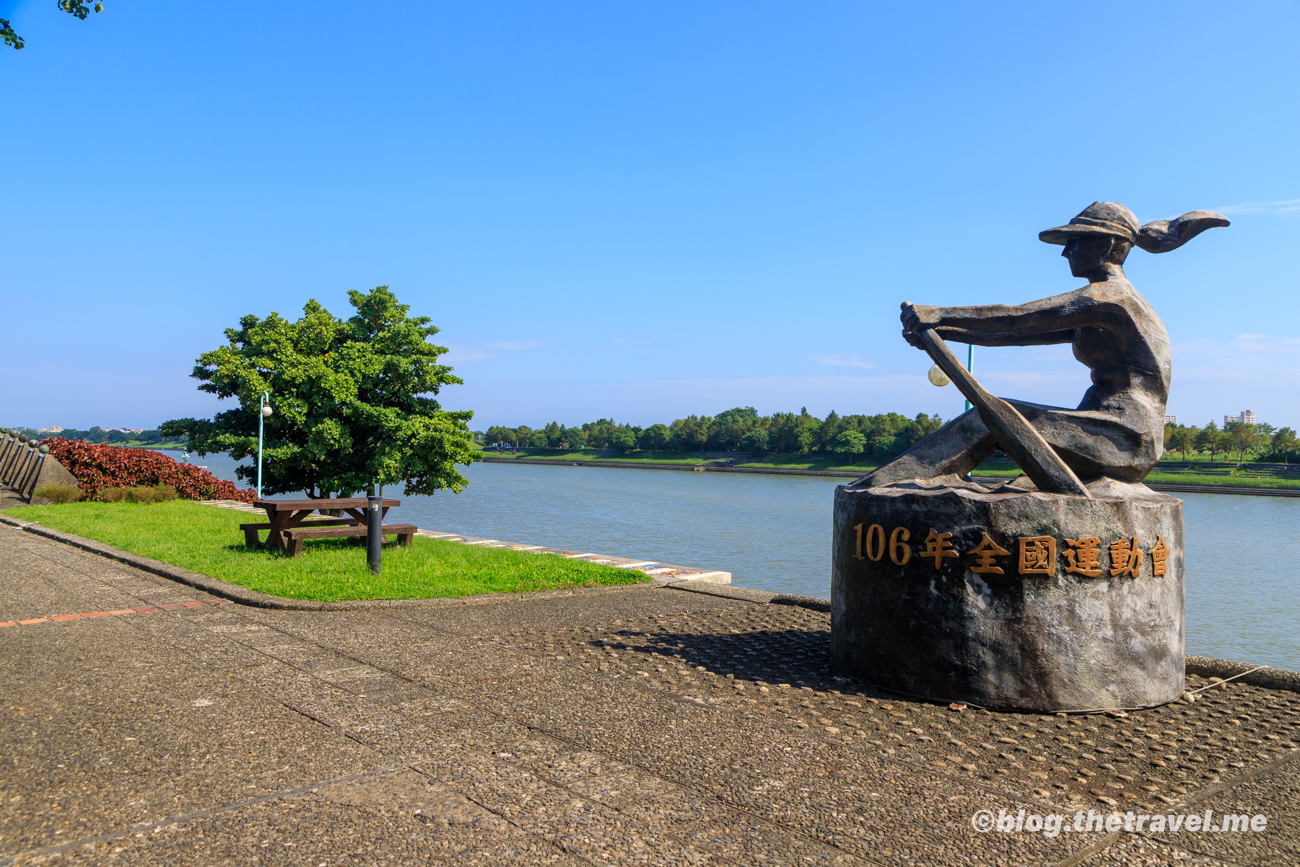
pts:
[863, 464]
[174, 445]
[1235, 480]
[208, 540]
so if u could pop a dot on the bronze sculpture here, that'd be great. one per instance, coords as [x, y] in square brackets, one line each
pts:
[1118, 428]
[1062, 591]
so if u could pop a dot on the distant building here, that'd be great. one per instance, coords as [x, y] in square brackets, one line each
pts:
[1171, 419]
[1247, 417]
[51, 430]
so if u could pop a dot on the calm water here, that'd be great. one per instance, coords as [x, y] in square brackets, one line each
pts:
[774, 533]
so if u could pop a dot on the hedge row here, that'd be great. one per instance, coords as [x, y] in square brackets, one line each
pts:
[101, 466]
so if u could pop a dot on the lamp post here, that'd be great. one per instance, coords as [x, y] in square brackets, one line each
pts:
[970, 364]
[264, 412]
[375, 530]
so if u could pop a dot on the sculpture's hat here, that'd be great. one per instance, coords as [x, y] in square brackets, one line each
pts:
[1099, 218]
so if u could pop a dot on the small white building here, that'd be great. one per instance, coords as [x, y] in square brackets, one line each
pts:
[1247, 417]
[1171, 419]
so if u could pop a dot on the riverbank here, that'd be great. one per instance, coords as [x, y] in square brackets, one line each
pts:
[328, 575]
[193, 537]
[1190, 483]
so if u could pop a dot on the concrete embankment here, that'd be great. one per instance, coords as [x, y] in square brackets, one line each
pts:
[1167, 487]
[24, 470]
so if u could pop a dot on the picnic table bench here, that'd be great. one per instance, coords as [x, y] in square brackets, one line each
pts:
[288, 525]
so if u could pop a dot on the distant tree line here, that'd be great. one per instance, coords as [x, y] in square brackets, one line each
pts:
[1262, 442]
[111, 437]
[739, 429]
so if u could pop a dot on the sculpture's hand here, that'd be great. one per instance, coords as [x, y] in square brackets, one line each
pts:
[917, 317]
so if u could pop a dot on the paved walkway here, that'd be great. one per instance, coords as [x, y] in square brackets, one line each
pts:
[639, 725]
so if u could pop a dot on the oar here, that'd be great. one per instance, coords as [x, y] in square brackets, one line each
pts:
[1015, 435]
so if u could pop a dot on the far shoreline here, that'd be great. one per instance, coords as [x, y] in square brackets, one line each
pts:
[1158, 481]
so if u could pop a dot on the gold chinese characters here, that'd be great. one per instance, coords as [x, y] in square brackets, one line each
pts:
[1035, 555]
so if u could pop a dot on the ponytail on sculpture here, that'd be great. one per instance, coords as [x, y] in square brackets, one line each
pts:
[1162, 236]
[1108, 219]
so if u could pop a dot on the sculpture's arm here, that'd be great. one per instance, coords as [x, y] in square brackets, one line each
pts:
[1047, 320]
[983, 338]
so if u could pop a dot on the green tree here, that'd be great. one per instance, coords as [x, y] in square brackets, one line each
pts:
[623, 439]
[851, 443]
[783, 433]
[730, 426]
[1242, 438]
[539, 440]
[754, 442]
[693, 431]
[809, 436]
[573, 438]
[354, 401]
[888, 433]
[78, 8]
[921, 427]
[1222, 443]
[1207, 439]
[830, 431]
[742, 428]
[599, 432]
[655, 437]
[884, 444]
[1263, 439]
[500, 435]
[1180, 438]
[1284, 442]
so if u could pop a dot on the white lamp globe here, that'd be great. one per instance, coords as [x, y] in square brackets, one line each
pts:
[937, 377]
[266, 410]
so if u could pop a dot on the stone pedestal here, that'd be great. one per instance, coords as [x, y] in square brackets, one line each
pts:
[1009, 598]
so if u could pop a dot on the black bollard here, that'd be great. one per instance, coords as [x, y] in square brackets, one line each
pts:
[374, 531]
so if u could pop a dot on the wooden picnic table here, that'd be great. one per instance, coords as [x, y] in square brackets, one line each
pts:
[287, 514]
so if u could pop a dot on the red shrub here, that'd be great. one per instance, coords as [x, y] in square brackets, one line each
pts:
[99, 466]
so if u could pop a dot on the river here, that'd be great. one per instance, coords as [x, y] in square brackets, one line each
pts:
[774, 533]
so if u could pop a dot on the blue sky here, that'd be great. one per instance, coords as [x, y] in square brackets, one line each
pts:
[637, 210]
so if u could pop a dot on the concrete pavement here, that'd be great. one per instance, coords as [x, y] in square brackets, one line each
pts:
[637, 725]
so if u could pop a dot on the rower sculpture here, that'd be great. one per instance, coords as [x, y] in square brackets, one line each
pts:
[1063, 590]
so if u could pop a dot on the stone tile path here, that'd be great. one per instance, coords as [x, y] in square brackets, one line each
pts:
[638, 725]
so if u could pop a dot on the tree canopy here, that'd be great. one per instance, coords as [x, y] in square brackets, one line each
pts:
[1263, 440]
[740, 428]
[353, 401]
[78, 8]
